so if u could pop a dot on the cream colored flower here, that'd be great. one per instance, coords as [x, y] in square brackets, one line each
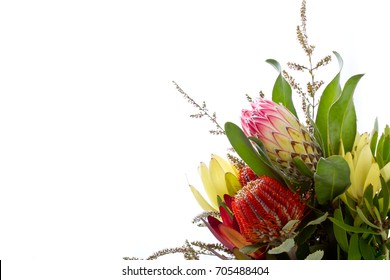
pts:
[364, 170]
[218, 179]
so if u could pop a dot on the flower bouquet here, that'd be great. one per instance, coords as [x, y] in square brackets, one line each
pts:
[317, 189]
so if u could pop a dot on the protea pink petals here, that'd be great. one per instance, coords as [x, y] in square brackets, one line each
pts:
[263, 207]
[283, 136]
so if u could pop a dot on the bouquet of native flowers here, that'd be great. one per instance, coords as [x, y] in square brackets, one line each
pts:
[317, 189]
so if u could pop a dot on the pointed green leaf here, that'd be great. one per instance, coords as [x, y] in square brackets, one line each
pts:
[368, 201]
[282, 93]
[353, 249]
[342, 122]
[368, 253]
[340, 233]
[352, 228]
[289, 226]
[349, 128]
[305, 234]
[386, 198]
[317, 255]
[331, 178]
[285, 247]
[247, 152]
[249, 249]
[302, 167]
[318, 220]
[374, 137]
[364, 218]
[328, 97]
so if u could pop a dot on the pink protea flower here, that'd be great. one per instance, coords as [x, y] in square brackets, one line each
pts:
[263, 207]
[283, 136]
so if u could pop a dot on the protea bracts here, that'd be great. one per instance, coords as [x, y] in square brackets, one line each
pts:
[283, 136]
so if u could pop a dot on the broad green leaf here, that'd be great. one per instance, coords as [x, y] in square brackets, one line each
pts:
[353, 249]
[232, 183]
[340, 233]
[331, 178]
[282, 93]
[352, 228]
[328, 97]
[318, 220]
[317, 255]
[368, 253]
[342, 122]
[247, 152]
[285, 247]
[364, 218]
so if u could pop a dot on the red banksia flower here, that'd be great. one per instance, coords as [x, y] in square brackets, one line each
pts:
[263, 207]
[246, 175]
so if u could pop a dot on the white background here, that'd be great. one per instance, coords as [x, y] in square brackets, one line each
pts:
[96, 145]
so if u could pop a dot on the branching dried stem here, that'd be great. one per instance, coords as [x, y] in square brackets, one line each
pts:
[202, 111]
[308, 96]
[198, 220]
[192, 251]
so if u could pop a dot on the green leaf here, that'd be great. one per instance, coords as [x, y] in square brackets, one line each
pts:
[349, 128]
[239, 255]
[364, 218]
[317, 255]
[302, 167]
[261, 150]
[351, 228]
[318, 220]
[342, 119]
[247, 152]
[331, 178]
[366, 250]
[353, 249]
[340, 233]
[374, 137]
[304, 235]
[285, 247]
[386, 198]
[289, 226]
[368, 201]
[328, 97]
[249, 249]
[282, 93]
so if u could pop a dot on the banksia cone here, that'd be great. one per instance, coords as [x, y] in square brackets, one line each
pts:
[283, 136]
[263, 207]
[246, 175]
